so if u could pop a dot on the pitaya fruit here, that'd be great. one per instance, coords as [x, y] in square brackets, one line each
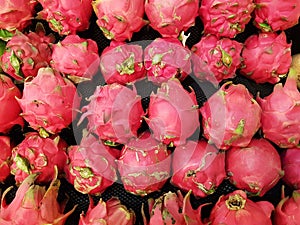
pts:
[76, 57]
[266, 57]
[290, 160]
[119, 20]
[114, 113]
[296, 66]
[49, 102]
[171, 17]
[236, 209]
[271, 16]
[173, 113]
[66, 17]
[122, 63]
[244, 167]
[225, 18]
[144, 165]
[230, 117]
[198, 167]
[10, 109]
[5, 156]
[280, 117]
[166, 58]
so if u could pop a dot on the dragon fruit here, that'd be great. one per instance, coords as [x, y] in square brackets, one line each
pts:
[66, 17]
[49, 102]
[266, 57]
[244, 166]
[216, 59]
[230, 117]
[198, 167]
[6, 150]
[8, 94]
[173, 113]
[236, 209]
[280, 116]
[225, 18]
[171, 17]
[119, 20]
[144, 165]
[122, 63]
[166, 58]
[296, 66]
[290, 160]
[76, 57]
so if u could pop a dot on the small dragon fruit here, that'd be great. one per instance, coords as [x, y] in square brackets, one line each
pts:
[122, 63]
[230, 117]
[119, 20]
[280, 117]
[6, 150]
[290, 160]
[198, 167]
[171, 17]
[144, 165]
[166, 58]
[76, 57]
[67, 17]
[225, 18]
[216, 59]
[10, 109]
[244, 167]
[266, 57]
[236, 209]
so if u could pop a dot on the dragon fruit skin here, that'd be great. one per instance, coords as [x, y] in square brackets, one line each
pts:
[230, 117]
[244, 166]
[225, 19]
[290, 160]
[166, 58]
[67, 17]
[171, 17]
[266, 57]
[119, 20]
[6, 150]
[122, 63]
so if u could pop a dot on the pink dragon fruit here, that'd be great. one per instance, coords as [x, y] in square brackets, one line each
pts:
[280, 116]
[49, 102]
[266, 57]
[271, 16]
[111, 212]
[119, 20]
[230, 117]
[6, 150]
[166, 58]
[236, 209]
[114, 113]
[67, 17]
[290, 160]
[170, 17]
[76, 57]
[8, 94]
[173, 113]
[225, 18]
[198, 167]
[244, 167]
[122, 63]
[144, 165]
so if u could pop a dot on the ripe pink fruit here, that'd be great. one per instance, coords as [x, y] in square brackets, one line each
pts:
[170, 17]
[6, 149]
[267, 57]
[290, 160]
[198, 167]
[225, 18]
[244, 167]
[230, 117]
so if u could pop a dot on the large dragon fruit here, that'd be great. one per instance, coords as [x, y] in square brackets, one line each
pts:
[266, 57]
[290, 160]
[230, 117]
[6, 150]
[198, 167]
[280, 116]
[122, 63]
[244, 167]
[166, 58]
[225, 18]
[119, 20]
[144, 165]
[170, 17]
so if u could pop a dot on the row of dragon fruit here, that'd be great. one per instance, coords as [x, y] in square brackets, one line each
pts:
[252, 141]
